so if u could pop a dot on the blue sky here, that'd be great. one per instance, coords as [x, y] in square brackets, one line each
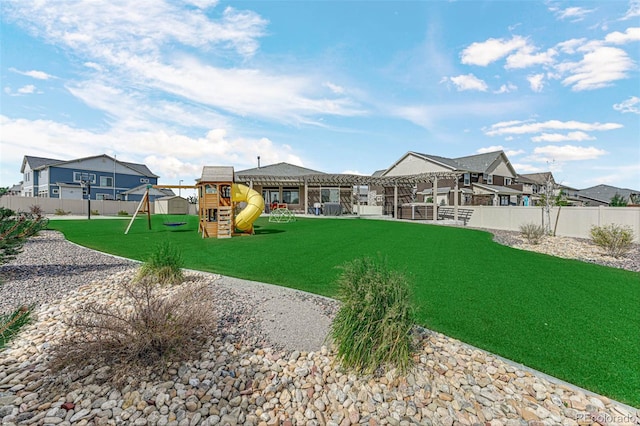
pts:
[336, 86]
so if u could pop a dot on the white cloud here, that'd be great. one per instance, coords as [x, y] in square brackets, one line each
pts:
[468, 82]
[564, 153]
[599, 68]
[559, 137]
[574, 14]
[489, 51]
[536, 82]
[506, 88]
[338, 90]
[168, 154]
[525, 57]
[521, 127]
[630, 35]
[27, 90]
[634, 10]
[39, 75]
[629, 105]
[571, 46]
[529, 168]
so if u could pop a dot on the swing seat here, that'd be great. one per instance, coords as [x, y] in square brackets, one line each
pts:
[174, 223]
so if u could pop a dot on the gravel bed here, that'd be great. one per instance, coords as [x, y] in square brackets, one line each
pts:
[49, 267]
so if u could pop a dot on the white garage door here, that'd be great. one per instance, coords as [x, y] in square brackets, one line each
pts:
[71, 193]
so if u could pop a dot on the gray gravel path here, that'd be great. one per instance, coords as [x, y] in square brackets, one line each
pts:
[50, 267]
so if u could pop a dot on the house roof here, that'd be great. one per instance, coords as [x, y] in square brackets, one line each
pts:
[279, 169]
[604, 193]
[37, 162]
[477, 163]
[41, 162]
[140, 189]
[539, 178]
[217, 174]
[500, 190]
[447, 162]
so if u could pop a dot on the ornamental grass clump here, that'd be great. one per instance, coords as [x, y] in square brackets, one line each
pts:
[164, 265]
[532, 233]
[615, 240]
[372, 329]
[151, 325]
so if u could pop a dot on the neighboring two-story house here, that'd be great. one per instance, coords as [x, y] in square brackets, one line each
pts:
[482, 179]
[104, 177]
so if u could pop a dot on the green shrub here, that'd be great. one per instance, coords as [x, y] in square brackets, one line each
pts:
[153, 326]
[532, 233]
[11, 324]
[372, 328]
[61, 212]
[616, 240]
[123, 213]
[164, 265]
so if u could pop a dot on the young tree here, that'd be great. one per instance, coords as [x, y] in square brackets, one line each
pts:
[618, 201]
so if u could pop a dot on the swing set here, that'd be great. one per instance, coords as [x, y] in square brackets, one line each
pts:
[145, 207]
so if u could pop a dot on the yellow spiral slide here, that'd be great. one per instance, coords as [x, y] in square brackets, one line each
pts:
[255, 206]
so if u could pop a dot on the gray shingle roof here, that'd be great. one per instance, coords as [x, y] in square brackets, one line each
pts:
[37, 162]
[40, 162]
[478, 163]
[604, 193]
[279, 169]
[539, 178]
[217, 174]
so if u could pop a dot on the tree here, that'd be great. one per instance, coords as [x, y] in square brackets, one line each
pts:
[618, 201]
[15, 228]
[4, 190]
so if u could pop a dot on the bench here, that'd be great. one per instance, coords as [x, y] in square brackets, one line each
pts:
[448, 213]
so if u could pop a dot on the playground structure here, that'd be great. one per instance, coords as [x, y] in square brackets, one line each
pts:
[218, 201]
[281, 215]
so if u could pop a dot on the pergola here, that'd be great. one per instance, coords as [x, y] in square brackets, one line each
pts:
[342, 180]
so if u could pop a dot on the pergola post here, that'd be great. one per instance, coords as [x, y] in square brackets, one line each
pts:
[306, 197]
[395, 200]
[435, 198]
[455, 200]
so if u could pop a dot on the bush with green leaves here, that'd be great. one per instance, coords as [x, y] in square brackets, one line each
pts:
[532, 233]
[372, 328]
[616, 240]
[153, 326]
[11, 324]
[164, 264]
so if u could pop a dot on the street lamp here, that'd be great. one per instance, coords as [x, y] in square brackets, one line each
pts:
[180, 189]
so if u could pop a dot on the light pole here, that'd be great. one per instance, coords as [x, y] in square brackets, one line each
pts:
[180, 189]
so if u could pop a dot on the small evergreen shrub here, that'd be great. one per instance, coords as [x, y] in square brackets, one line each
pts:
[615, 240]
[164, 265]
[372, 328]
[11, 324]
[532, 233]
[155, 325]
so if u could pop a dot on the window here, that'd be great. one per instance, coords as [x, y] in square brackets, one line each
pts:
[27, 177]
[490, 179]
[144, 180]
[291, 196]
[467, 179]
[210, 189]
[504, 200]
[507, 181]
[106, 181]
[84, 176]
[330, 195]
[55, 191]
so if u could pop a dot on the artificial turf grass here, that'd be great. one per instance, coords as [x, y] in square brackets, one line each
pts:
[575, 321]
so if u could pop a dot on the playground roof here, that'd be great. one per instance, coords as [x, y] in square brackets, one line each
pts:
[326, 179]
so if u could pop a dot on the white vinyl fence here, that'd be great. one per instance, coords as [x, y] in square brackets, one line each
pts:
[571, 221]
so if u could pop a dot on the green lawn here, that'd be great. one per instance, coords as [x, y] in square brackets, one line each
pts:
[575, 321]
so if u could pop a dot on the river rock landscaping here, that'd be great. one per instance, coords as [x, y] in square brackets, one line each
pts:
[247, 374]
